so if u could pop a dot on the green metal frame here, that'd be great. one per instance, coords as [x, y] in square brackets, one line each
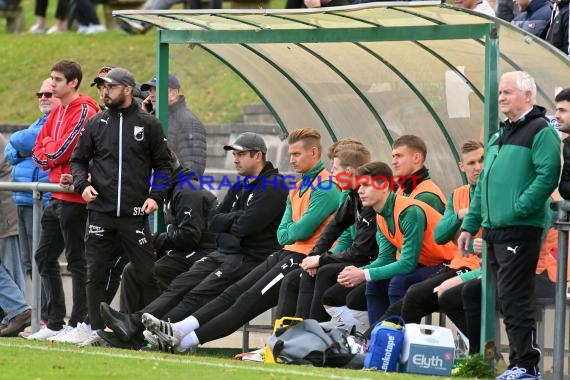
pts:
[485, 31]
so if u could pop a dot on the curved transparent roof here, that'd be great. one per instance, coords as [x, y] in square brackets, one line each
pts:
[373, 72]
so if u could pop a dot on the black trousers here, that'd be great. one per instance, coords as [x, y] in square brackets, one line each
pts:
[302, 295]
[513, 265]
[63, 229]
[166, 269]
[104, 233]
[247, 298]
[204, 281]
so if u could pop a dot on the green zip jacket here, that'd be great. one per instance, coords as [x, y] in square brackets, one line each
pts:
[521, 170]
[324, 201]
[412, 222]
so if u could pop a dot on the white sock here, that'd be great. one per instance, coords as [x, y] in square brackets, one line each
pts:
[342, 314]
[189, 340]
[186, 326]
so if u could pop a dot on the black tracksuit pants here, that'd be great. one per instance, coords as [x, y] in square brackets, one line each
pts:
[104, 233]
[247, 298]
[204, 281]
[166, 269]
[513, 264]
[302, 295]
[63, 229]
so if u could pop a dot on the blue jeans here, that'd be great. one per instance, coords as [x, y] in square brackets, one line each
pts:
[10, 258]
[12, 300]
[383, 293]
[25, 227]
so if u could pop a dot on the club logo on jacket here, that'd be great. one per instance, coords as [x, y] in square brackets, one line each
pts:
[138, 133]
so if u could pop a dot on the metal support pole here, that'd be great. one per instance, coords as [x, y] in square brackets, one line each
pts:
[36, 279]
[563, 226]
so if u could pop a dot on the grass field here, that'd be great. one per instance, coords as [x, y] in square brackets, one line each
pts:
[23, 360]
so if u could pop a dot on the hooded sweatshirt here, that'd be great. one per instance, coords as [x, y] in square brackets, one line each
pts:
[58, 138]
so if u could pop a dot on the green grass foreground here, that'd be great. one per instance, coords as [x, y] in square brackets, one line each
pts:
[22, 360]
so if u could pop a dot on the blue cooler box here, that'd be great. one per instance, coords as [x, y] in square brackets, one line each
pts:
[427, 350]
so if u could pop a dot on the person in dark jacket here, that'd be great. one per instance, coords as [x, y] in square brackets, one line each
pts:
[246, 222]
[188, 212]
[120, 147]
[558, 31]
[186, 133]
[534, 16]
[520, 172]
[562, 115]
[302, 290]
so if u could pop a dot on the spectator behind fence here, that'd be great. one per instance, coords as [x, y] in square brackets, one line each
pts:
[479, 6]
[562, 115]
[12, 302]
[120, 147]
[246, 222]
[511, 203]
[9, 245]
[18, 152]
[420, 299]
[64, 218]
[186, 134]
[558, 31]
[534, 16]
[309, 208]
[409, 154]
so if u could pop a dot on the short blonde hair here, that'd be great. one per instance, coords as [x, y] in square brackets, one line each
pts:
[310, 137]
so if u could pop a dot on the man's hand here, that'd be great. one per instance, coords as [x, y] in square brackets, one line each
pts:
[310, 262]
[149, 206]
[478, 246]
[463, 242]
[351, 276]
[65, 181]
[89, 194]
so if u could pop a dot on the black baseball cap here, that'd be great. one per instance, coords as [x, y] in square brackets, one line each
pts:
[118, 75]
[248, 141]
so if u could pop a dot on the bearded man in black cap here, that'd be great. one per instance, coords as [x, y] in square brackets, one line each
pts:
[120, 147]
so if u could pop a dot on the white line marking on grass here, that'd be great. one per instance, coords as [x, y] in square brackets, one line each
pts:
[180, 360]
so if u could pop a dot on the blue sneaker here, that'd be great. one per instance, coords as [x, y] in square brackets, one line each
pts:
[516, 373]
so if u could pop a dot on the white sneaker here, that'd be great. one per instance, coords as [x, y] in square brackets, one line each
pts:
[61, 334]
[36, 29]
[82, 29]
[78, 335]
[44, 334]
[94, 340]
[92, 29]
[55, 29]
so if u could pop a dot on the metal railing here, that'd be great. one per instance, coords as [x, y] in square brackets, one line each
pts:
[37, 189]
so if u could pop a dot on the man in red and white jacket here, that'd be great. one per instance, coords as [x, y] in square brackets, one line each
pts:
[64, 219]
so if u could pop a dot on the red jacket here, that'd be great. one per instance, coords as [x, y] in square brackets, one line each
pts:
[58, 138]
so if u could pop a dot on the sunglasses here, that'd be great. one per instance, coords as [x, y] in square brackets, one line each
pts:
[46, 94]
